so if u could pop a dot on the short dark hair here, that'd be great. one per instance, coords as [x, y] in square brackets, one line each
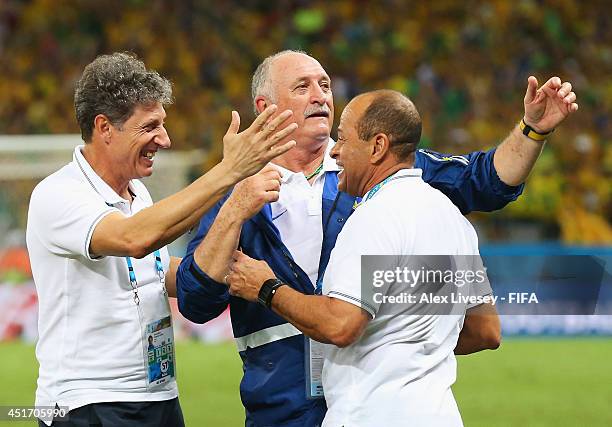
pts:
[395, 115]
[114, 85]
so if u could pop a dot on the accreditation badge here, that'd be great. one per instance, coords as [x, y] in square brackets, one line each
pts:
[160, 351]
[314, 368]
[157, 337]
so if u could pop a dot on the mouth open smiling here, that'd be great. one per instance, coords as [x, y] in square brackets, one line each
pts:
[149, 154]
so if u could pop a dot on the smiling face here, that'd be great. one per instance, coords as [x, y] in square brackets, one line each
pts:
[350, 152]
[299, 83]
[135, 143]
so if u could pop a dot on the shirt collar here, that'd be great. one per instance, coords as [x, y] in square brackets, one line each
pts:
[402, 173]
[409, 172]
[329, 164]
[98, 184]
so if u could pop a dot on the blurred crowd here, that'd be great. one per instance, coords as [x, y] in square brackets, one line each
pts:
[465, 64]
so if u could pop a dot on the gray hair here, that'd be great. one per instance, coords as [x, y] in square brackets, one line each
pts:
[261, 84]
[114, 85]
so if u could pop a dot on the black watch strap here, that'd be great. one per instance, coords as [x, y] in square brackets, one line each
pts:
[267, 291]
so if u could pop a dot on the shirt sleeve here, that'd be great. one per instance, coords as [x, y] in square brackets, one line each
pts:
[480, 286]
[474, 273]
[470, 181]
[65, 218]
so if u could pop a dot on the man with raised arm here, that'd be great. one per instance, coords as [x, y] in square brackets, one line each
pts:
[97, 245]
[296, 234]
[391, 362]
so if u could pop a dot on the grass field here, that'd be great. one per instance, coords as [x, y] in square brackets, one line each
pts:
[527, 382]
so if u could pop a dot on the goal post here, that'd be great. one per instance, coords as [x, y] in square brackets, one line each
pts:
[26, 159]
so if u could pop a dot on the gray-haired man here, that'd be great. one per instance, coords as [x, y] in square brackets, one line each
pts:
[295, 235]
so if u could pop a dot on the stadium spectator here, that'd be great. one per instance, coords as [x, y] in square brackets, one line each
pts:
[438, 54]
[389, 363]
[97, 246]
[296, 234]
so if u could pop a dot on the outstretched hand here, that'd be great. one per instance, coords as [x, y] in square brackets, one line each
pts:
[247, 152]
[546, 107]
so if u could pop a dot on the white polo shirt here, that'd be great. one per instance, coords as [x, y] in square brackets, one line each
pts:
[400, 371]
[89, 348]
[298, 215]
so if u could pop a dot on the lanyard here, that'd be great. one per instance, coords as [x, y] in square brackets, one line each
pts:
[376, 188]
[158, 267]
[368, 196]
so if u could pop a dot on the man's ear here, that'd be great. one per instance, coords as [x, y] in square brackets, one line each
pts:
[380, 147]
[103, 127]
[261, 103]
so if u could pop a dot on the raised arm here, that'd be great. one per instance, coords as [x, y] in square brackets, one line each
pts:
[199, 297]
[487, 181]
[245, 153]
[201, 289]
[469, 181]
[214, 254]
[545, 108]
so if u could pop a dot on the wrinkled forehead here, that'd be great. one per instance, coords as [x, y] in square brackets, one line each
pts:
[292, 67]
[148, 111]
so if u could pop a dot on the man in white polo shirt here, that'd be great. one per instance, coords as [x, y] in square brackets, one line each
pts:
[390, 364]
[97, 247]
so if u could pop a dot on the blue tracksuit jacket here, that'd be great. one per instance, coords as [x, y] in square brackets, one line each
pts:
[273, 388]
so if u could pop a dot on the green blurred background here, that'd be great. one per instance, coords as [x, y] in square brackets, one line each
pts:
[465, 64]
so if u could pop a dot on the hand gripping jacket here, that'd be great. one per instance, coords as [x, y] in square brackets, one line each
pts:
[273, 388]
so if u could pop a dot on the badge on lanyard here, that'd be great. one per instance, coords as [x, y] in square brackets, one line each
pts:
[160, 351]
[156, 327]
[314, 360]
[314, 369]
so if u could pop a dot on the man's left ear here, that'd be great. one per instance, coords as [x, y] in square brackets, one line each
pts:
[380, 148]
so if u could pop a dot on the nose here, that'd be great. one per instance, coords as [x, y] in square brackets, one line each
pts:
[318, 96]
[335, 151]
[163, 139]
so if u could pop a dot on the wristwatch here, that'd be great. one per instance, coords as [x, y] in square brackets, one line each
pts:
[267, 291]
